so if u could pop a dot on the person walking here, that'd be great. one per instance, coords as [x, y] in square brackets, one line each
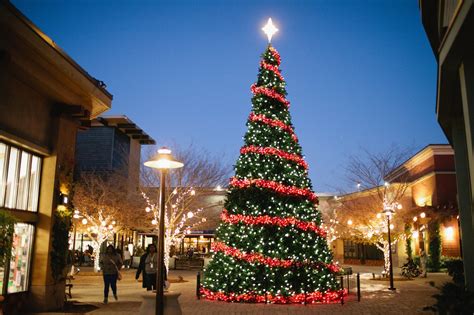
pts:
[150, 268]
[423, 261]
[110, 263]
[127, 257]
[141, 268]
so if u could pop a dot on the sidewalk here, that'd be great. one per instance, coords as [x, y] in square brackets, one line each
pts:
[409, 298]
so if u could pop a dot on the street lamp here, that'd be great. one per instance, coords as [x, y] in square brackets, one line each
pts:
[389, 210]
[162, 161]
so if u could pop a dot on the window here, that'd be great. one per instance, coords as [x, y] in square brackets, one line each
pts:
[19, 269]
[3, 163]
[19, 178]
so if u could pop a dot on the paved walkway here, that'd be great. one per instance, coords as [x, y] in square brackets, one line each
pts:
[409, 298]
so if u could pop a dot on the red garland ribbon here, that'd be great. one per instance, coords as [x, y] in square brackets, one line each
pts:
[274, 123]
[270, 93]
[272, 151]
[275, 55]
[268, 220]
[270, 67]
[268, 261]
[279, 188]
[330, 296]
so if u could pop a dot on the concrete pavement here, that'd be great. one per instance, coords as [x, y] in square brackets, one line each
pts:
[409, 298]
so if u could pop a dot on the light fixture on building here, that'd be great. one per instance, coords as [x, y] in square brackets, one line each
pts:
[449, 233]
[84, 221]
[415, 234]
[63, 199]
[349, 222]
[415, 218]
[422, 215]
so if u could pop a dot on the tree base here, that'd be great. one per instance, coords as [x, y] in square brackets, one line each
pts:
[328, 297]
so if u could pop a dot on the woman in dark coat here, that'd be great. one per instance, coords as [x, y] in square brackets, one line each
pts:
[141, 268]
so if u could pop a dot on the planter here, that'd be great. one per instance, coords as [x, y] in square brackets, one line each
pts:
[171, 306]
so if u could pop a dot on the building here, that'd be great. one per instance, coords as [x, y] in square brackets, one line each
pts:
[44, 96]
[449, 25]
[429, 179]
[109, 145]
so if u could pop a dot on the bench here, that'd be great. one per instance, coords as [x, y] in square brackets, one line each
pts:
[189, 263]
[69, 286]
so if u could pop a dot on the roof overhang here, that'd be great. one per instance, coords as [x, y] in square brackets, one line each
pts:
[39, 61]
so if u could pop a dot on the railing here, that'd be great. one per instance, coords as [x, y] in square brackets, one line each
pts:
[348, 281]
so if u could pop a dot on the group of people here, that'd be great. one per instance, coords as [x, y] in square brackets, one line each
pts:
[111, 263]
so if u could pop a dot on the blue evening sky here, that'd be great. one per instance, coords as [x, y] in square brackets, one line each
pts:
[359, 73]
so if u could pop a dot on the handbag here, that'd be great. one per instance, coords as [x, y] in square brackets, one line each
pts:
[119, 274]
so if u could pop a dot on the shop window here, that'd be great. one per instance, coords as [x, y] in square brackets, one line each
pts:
[34, 183]
[19, 268]
[19, 178]
[12, 178]
[3, 171]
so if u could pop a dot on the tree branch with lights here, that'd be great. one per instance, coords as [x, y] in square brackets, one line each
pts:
[186, 205]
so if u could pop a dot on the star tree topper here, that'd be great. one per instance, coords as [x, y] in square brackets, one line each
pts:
[269, 29]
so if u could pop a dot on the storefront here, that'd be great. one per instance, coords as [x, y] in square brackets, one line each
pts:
[199, 242]
[19, 191]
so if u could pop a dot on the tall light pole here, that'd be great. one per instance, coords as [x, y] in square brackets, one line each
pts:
[162, 161]
[389, 210]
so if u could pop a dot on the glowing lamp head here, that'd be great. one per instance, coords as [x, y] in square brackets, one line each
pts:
[147, 209]
[422, 215]
[449, 233]
[349, 222]
[163, 160]
[415, 234]
[190, 215]
[154, 222]
[269, 29]
[84, 221]
[415, 219]
[392, 226]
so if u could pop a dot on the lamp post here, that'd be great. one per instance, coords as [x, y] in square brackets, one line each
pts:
[389, 210]
[163, 161]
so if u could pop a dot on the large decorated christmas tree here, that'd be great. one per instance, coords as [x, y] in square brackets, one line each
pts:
[270, 244]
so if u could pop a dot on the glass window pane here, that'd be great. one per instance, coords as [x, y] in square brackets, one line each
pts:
[12, 178]
[21, 256]
[3, 161]
[22, 199]
[34, 183]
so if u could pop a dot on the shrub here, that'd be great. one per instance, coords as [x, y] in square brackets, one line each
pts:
[410, 269]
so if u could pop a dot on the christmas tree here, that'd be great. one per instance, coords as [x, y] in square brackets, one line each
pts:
[270, 244]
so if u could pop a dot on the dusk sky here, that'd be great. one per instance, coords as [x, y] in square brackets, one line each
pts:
[359, 73]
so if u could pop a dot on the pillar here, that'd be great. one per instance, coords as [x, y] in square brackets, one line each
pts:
[463, 142]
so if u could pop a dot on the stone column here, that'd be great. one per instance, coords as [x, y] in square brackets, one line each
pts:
[45, 293]
[463, 142]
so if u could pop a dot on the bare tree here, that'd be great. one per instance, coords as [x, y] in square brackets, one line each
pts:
[105, 204]
[191, 197]
[382, 183]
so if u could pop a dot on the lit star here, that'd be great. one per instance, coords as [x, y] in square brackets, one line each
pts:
[269, 29]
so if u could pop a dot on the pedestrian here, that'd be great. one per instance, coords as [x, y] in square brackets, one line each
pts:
[110, 263]
[141, 268]
[126, 257]
[423, 261]
[150, 268]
